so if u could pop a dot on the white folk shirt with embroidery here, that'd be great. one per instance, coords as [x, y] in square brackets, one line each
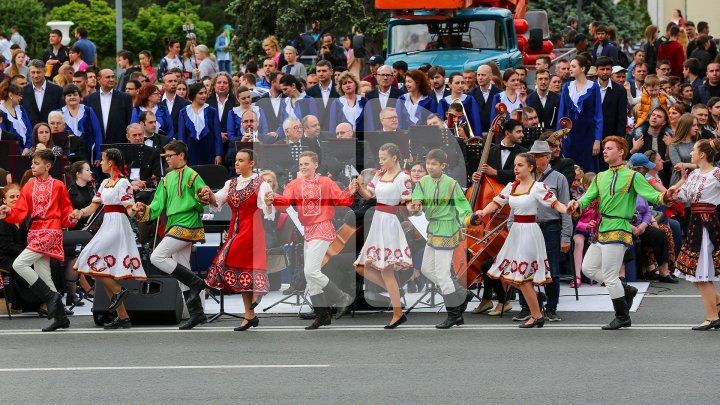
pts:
[222, 195]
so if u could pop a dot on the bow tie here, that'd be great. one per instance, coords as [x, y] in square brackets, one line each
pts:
[510, 148]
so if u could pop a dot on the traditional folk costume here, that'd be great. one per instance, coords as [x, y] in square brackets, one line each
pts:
[617, 189]
[316, 200]
[584, 107]
[48, 205]
[447, 211]
[177, 195]
[113, 252]
[201, 132]
[699, 259]
[241, 263]
[523, 256]
[385, 246]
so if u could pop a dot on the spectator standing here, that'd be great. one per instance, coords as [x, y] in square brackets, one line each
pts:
[88, 49]
[146, 66]
[332, 53]
[354, 64]
[701, 52]
[76, 60]
[206, 65]
[81, 121]
[5, 45]
[16, 38]
[56, 55]
[271, 46]
[188, 58]
[711, 87]
[125, 60]
[651, 43]
[293, 67]
[673, 51]
[222, 50]
[324, 92]
[41, 96]
[14, 118]
[17, 64]
[222, 99]
[110, 105]
[604, 46]
[199, 128]
[704, 29]
[149, 99]
[172, 102]
[171, 60]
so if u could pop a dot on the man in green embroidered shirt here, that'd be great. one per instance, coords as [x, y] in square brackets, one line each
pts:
[617, 189]
[447, 212]
[177, 195]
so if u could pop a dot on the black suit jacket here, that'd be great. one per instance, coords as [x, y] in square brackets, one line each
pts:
[53, 100]
[266, 106]
[614, 107]
[178, 104]
[506, 172]
[229, 104]
[372, 106]
[548, 115]
[323, 110]
[119, 117]
[485, 107]
[148, 161]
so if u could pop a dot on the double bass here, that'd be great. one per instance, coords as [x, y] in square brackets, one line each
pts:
[484, 240]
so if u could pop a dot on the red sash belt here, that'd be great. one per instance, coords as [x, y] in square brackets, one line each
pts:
[390, 209]
[115, 208]
[702, 208]
[524, 219]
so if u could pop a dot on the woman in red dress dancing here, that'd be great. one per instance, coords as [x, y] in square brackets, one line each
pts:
[241, 263]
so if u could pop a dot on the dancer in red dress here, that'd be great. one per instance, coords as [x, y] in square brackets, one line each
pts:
[241, 263]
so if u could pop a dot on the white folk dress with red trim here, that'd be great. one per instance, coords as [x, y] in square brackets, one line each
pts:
[523, 256]
[385, 246]
[113, 252]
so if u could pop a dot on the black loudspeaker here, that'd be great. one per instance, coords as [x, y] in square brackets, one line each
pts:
[157, 300]
[535, 42]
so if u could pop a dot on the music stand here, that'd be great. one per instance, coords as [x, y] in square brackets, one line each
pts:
[375, 140]
[17, 165]
[340, 153]
[60, 139]
[530, 135]
[424, 138]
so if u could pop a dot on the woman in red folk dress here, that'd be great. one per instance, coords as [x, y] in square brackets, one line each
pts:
[241, 263]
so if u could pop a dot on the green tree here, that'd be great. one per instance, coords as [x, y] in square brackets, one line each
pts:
[29, 16]
[287, 19]
[626, 16]
[97, 17]
[155, 24]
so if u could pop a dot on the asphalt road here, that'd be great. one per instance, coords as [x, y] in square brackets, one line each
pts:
[355, 361]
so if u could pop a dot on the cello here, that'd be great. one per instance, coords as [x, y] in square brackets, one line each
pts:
[484, 240]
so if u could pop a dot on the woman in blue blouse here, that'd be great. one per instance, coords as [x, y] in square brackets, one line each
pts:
[14, 118]
[511, 97]
[235, 130]
[349, 106]
[199, 128]
[472, 110]
[148, 99]
[414, 106]
[296, 103]
[81, 121]
[580, 100]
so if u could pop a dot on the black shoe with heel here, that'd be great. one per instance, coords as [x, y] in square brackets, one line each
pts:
[118, 323]
[537, 323]
[249, 323]
[397, 323]
[709, 325]
[117, 299]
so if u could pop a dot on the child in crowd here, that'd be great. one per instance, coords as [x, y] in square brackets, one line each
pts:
[652, 96]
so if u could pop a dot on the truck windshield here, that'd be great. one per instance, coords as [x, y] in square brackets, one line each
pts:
[425, 36]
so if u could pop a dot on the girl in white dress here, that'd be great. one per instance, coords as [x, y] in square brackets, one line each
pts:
[699, 258]
[112, 254]
[386, 250]
[522, 261]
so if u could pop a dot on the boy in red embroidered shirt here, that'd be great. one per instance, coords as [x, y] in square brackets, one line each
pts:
[315, 198]
[47, 203]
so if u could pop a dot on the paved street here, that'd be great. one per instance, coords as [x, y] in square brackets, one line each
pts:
[488, 360]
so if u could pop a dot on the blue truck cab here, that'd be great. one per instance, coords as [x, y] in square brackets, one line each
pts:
[470, 38]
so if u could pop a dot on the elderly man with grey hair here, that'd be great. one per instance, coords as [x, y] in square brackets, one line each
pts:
[382, 96]
[293, 67]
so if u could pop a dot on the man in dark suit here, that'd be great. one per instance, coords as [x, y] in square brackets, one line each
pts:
[148, 122]
[324, 92]
[483, 94]
[112, 107]
[544, 102]
[501, 160]
[270, 102]
[40, 97]
[614, 102]
[173, 103]
[222, 99]
[383, 95]
[146, 164]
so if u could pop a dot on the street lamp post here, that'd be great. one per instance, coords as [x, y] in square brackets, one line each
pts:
[118, 26]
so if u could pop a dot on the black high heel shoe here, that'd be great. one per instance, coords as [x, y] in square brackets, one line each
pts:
[251, 323]
[397, 323]
[538, 323]
[710, 325]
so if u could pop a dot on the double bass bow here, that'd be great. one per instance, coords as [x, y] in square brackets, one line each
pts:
[485, 239]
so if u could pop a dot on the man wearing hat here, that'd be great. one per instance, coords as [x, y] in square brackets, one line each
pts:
[222, 49]
[619, 75]
[556, 228]
[374, 63]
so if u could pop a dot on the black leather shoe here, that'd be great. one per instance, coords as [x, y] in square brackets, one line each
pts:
[323, 319]
[247, 324]
[397, 323]
[622, 315]
[630, 293]
[537, 323]
[117, 299]
[307, 316]
[58, 323]
[454, 317]
[118, 323]
[194, 321]
[667, 279]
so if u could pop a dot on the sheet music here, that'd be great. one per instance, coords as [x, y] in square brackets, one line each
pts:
[296, 220]
[420, 223]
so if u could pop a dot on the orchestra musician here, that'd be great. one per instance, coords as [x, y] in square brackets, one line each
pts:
[471, 112]
[501, 158]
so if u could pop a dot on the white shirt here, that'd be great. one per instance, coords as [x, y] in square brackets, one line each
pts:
[543, 99]
[40, 94]
[439, 94]
[351, 112]
[105, 100]
[198, 119]
[221, 105]
[504, 155]
[275, 101]
[325, 93]
[383, 97]
[486, 94]
[169, 103]
[412, 108]
[604, 90]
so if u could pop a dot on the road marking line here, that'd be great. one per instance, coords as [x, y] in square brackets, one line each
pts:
[672, 296]
[201, 367]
